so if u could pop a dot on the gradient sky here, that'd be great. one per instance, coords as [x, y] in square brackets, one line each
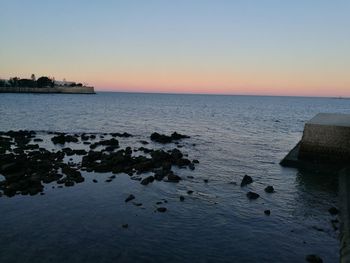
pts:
[188, 46]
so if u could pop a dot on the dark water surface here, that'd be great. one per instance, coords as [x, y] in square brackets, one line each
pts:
[234, 135]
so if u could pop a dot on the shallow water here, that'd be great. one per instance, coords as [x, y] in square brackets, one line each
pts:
[234, 135]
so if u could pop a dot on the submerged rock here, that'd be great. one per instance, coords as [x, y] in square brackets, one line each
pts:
[147, 180]
[313, 259]
[161, 138]
[252, 195]
[162, 209]
[333, 211]
[246, 180]
[267, 212]
[269, 189]
[129, 198]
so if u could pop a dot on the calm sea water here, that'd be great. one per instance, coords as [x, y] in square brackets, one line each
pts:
[234, 135]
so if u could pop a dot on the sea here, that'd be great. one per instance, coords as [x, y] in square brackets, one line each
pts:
[231, 136]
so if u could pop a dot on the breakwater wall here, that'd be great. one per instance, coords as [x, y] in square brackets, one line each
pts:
[56, 89]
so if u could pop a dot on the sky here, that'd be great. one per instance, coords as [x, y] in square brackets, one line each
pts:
[261, 47]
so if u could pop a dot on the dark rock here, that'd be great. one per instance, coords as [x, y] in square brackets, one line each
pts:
[38, 140]
[267, 212]
[125, 225]
[68, 183]
[333, 211]
[313, 259]
[147, 180]
[124, 134]
[206, 180]
[129, 198]
[246, 180]
[161, 138]
[195, 161]
[182, 198]
[62, 139]
[144, 142]
[189, 192]
[191, 166]
[173, 178]
[252, 195]
[159, 203]
[94, 180]
[269, 189]
[161, 209]
[137, 204]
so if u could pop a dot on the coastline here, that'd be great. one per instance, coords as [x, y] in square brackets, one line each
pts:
[56, 89]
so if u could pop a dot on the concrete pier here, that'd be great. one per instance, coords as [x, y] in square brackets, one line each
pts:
[326, 144]
[326, 141]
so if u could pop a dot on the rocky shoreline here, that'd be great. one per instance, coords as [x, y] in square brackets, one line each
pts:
[27, 167]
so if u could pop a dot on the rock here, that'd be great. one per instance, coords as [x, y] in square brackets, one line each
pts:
[161, 209]
[129, 198]
[161, 138]
[125, 226]
[267, 212]
[173, 177]
[269, 189]
[147, 180]
[190, 177]
[95, 181]
[191, 166]
[313, 259]
[68, 183]
[137, 204]
[333, 211]
[38, 140]
[206, 181]
[124, 134]
[144, 142]
[159, 203]
[195, 161]
[246, 180]
[252, 195]
[62, 139]
[189, 192]
[182, 198]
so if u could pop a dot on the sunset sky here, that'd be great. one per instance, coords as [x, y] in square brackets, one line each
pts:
[185, 46]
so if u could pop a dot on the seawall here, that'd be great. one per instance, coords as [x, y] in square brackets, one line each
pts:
[56, 89]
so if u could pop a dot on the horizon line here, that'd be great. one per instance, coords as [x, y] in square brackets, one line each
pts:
[220, 94]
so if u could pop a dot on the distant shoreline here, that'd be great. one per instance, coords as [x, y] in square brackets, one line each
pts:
[55, 89]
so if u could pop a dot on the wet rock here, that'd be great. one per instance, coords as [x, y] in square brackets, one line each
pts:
[62, 139]
[125, 226]
[206, 181]
[333, 211]
[162, 209]
[313, 259]
[68, 183]
[269, 189]
[137, 204]
[37, 140]
[189, 192]
[147, 180]
[252, 195]
[182, 198]
[191, 166]
[246, 180]
[267, 212]
[173, 178]
[161, 138]
[124, 134]
[129, 198]
[159, 203]
[195, 161]
[144, 142]
[95, 181]
[190, 177]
